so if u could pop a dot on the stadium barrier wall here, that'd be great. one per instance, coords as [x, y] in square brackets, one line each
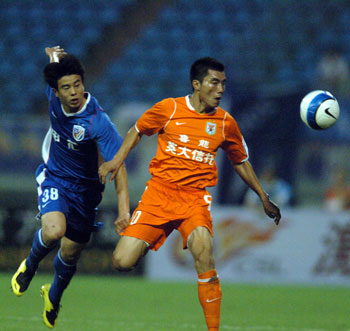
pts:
[17, 229]
[309, 246]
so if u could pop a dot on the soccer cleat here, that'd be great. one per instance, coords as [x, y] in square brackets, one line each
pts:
[21, 279]
[50, 313]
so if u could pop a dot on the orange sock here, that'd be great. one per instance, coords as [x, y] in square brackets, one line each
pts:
[209, 293]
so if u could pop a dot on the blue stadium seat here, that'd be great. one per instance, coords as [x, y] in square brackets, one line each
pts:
[257, 39]
[30, 26]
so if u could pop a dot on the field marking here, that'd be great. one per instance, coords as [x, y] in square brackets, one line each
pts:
[268, 328]
[183, 326]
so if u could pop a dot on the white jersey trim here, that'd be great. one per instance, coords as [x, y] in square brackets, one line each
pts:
[246, 149]
[171, 114]
[223, 126]
[45, 148]
[40, 179]
[188, 103]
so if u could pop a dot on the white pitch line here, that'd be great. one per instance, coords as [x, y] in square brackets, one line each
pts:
[184, 326]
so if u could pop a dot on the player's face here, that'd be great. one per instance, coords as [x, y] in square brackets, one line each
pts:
[71, 93]
[212, 88]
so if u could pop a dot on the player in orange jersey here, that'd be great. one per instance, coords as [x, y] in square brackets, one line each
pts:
[190, 131]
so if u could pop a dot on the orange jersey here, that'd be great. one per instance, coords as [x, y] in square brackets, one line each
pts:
[188, 142]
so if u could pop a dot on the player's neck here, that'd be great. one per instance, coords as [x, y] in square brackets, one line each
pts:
[198, 106]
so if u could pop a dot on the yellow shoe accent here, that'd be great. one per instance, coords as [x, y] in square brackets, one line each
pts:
[21, 279]
[50, 313]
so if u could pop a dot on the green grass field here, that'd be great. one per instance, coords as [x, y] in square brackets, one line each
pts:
[121, 303]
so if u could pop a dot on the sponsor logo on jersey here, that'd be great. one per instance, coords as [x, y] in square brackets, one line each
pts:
[211, 128]
[78, 132]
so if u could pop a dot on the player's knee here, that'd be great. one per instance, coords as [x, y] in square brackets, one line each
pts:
[70, 257]
[53, 227]
[203, 256]
[53, 234]
[122, 263]
[201, 247]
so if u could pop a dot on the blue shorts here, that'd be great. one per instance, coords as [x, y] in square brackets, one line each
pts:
[78, 202]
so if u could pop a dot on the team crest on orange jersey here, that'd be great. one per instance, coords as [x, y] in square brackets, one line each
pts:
[78, 132]
[211, 128]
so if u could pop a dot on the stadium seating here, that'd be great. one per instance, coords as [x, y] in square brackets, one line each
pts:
[261, 42]
[266, 46]
[29, 26]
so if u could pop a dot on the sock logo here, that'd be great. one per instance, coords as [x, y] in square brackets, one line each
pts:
[211, 300]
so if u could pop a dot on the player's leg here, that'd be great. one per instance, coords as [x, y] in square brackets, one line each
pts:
[144, 232]
[53, 227]
[81, 216]
[75, 231]
[45, 239]
[65, 264]
[65, 267]
[53, 207]
[200, 245]
[128, 252]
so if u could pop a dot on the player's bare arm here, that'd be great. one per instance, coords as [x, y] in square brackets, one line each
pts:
[55, 53]
[130, 141]
[121, 183]
[246, 172]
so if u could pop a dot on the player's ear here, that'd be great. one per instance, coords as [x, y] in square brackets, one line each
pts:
[55, 91]
[196, 85]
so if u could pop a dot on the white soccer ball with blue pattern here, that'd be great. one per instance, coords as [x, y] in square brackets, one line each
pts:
[319, 110]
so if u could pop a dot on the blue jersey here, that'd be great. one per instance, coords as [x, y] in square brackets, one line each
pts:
[72, 145]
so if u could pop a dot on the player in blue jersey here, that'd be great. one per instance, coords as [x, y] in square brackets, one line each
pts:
[80, 137]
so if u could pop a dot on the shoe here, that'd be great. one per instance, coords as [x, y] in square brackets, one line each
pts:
[21, 279]
[50, 313]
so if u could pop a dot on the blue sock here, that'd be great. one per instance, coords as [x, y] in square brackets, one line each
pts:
[63, 275]
[38, 251]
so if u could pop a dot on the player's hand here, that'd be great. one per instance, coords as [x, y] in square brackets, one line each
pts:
[271, 210]
[55, 53]
[122, 222]
[107, 167]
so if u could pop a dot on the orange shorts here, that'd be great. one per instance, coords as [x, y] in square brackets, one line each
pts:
[165, 207]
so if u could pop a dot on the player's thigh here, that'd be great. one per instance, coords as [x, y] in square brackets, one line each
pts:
[199, 240]
[71, 250]
[200, 244]
[200, 218]
[128, 251]
[53, 226]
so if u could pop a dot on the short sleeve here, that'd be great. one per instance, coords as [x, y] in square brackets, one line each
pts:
[234, 144]
[106, 134]
[155, 118]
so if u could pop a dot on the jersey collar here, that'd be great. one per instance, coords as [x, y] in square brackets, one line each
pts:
[189, 103]
[191, 107]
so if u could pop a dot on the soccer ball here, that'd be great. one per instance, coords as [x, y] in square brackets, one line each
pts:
[319, 110]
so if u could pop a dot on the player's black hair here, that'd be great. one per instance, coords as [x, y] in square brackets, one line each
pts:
[68, 65]
[199, 69]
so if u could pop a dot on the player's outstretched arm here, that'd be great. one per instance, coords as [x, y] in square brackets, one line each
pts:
[246, 172]
[121, 184]
[130, 141]
[55, 53]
